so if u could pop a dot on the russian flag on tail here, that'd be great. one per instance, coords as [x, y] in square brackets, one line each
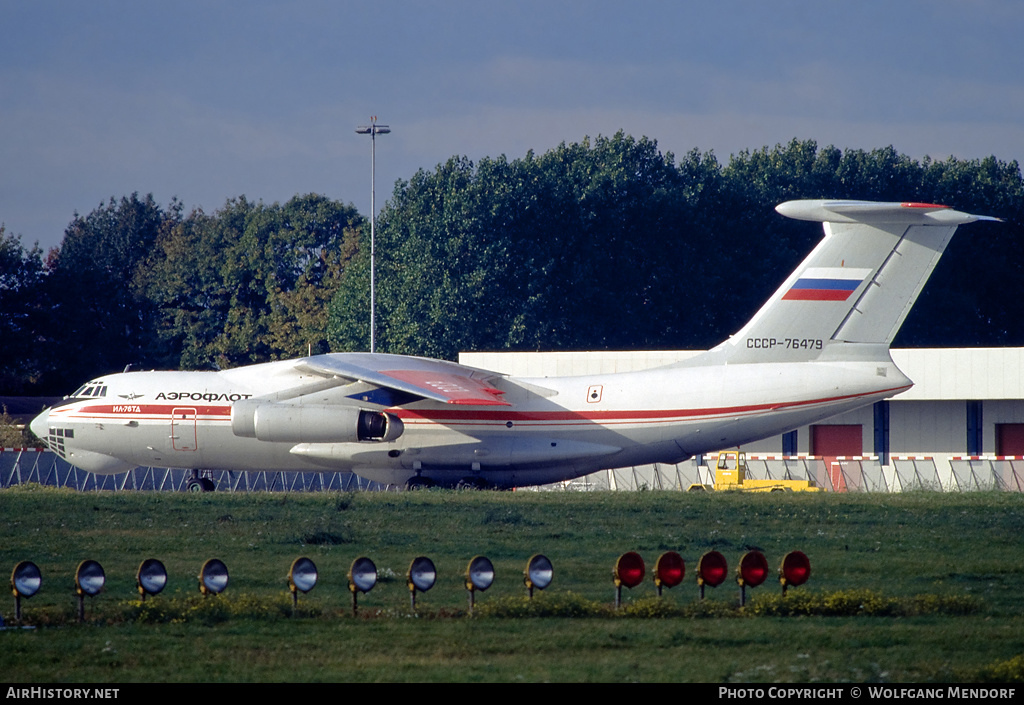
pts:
[826, 284]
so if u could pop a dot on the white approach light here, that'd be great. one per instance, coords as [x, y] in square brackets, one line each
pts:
[26, 579]
[538, 574]
[362, 576]
[302, 578]
[421, 576]
[151, 578]
[25, 582]
[479, 576]
[213, 577]
[89, 580]
[303, 575]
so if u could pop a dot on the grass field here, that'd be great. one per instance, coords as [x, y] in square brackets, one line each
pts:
[913, 587]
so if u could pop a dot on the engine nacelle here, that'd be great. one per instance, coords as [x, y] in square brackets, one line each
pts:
[300, 423]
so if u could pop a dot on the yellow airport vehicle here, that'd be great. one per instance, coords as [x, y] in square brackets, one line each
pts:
[731, 474]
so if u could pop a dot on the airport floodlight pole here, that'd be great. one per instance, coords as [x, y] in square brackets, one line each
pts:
[373, 129]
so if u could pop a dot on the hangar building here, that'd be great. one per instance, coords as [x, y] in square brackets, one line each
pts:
[961, 426]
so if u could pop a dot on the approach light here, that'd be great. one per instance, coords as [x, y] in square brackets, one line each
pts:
[151, 577]
[213, 577]
[795, 570]
[538, 574]
[89, 580]
[25, 582]
[711, 570]
[752, 571]
[301, 578]
[421, 576]
[669, 570]
[26, 579]
[629, 571]
[362, 576]
[479, 576]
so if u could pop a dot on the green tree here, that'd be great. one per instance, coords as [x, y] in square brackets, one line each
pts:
[251, 282]
[976, 294]
[578, 246]
[101, 320]
[23, 314]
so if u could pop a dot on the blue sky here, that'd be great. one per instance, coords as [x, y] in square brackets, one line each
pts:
[206, 101]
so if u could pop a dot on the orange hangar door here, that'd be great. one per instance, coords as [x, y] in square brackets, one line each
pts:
[833, 441]
[1010, 439]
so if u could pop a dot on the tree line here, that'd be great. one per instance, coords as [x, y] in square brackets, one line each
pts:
[607, 243]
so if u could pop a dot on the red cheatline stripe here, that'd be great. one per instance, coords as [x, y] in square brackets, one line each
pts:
[485, 416]
[136, 410]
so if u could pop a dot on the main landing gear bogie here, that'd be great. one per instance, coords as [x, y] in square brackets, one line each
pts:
[473, 482]
[419, 482]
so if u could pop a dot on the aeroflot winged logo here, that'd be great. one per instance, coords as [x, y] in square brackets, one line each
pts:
[826, 284]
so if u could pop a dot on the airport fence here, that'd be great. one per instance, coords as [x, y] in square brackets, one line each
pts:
[840, 474]
[22, 466]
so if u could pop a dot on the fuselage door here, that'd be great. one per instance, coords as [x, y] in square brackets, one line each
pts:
[183, 429]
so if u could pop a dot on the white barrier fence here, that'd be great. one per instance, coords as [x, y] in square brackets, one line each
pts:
[21, 466]
[859, 474]
[855, 474]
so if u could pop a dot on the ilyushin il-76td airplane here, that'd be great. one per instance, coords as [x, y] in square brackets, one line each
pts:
[817, 348]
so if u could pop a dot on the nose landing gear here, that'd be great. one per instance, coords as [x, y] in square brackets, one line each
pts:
[199, 484]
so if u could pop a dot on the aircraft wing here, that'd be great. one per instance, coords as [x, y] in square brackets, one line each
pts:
[446, 382]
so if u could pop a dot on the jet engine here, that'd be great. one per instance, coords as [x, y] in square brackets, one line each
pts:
[301, 423]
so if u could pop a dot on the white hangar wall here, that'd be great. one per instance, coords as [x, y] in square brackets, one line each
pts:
[960, 427]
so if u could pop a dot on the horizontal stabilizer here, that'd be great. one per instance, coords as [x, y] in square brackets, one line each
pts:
[874, 212]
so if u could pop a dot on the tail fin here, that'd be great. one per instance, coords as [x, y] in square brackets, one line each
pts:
[856, 286]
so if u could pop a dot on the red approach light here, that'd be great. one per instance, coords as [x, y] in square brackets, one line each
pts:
[753, 569]
[669, 570]
[712, 569]
[629, 570]
[795, 570]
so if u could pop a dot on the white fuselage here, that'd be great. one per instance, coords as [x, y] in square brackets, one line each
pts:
[553, 428]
